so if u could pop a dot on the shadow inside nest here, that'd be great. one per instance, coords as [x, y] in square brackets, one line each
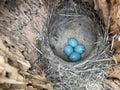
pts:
[75, 19]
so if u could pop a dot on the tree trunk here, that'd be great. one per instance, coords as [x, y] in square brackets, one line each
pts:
[21, 22]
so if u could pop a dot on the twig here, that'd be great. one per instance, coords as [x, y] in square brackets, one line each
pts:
[70, 15]
[113, 39]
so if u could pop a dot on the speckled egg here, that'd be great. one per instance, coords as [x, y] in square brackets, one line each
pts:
[68, 50]
[79, 49]
[72, 42]
[75, 57]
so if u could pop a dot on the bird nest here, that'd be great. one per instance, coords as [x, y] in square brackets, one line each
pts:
[26, 46]
[88, 74]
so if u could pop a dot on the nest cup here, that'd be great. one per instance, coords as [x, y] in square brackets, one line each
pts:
[69, 24]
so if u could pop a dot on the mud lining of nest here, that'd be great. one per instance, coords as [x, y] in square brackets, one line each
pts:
[75, 76]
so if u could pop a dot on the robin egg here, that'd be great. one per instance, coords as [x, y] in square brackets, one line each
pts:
[80, 49]
[68, 50]
[75, 57]
[72, 42]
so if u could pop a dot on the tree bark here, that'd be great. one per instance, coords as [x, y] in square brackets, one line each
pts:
[21, 22]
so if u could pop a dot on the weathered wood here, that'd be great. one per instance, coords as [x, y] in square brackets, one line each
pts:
[21, 21]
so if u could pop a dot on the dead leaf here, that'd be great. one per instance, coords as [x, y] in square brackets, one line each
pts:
[114, 72]
[112, 84]
[113, 77]
[116, 44]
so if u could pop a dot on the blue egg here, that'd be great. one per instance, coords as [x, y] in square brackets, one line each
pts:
[68, 50]
[79, 49]
[72, 42]
[74, 57]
